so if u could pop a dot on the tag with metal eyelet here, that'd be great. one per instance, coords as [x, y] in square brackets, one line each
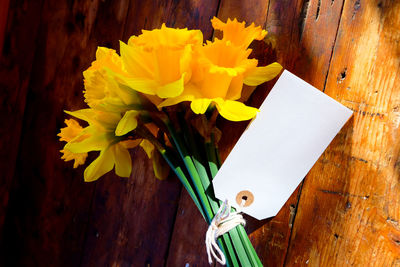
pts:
[295, 125]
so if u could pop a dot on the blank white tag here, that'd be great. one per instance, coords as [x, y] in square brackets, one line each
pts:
[295, 124]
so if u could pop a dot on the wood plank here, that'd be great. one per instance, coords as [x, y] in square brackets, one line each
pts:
[297, 33]
[18, 30]
[132, 218]
[143, 232]
[349, 210]
[4, 8]
[48, 209]
[191, 14]
[292, 34]
[349, 206]
[187, 243]
[249, 11]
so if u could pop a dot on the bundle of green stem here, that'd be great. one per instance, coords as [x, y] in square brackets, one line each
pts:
[195, 161]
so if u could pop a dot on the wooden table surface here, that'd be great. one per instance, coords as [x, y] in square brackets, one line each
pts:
[345, 213]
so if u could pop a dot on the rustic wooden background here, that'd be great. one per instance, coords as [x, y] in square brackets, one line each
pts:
[345, 213]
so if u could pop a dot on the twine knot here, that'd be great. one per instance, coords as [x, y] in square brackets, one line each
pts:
[223, 221]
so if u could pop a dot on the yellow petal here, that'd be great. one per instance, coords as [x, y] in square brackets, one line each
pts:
[234, 110]
[235, 88]
[148, 147]
[106, 120]
[101, 86]
[100, 166]
[160, 167]
[215, 85]
[190, 93]
[106, 57]
[224, 65]
[136, 60]
[262, 74]
[170, 37]
[120, 91]
[83, 114]
[143, 85]
[79, 158]
[95, 83]
[103, 52]
[185, 62]
[92, 143]
[127, 123]
[237, 32]
[169, 64]
[199, 106]
[175, 100]
[171, 89]
[123, 162]
[159, 62]
[225, 57]
[72, 130]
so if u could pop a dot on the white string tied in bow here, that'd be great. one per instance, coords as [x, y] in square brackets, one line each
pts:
[223, 221]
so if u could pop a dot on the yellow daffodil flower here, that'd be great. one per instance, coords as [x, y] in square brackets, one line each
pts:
[237, 32]
[102, 89]
[220, 70]
[69, 133]
[167, 66]
[158, 62]
[104, 134]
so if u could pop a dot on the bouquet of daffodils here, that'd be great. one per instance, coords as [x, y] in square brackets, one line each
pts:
[164, 93]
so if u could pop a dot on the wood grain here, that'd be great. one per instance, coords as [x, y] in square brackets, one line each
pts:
[349, 208]
[4, 8]
[18, 29]
[187, 243]
[132, 219]
[346, 212]
[48, 210]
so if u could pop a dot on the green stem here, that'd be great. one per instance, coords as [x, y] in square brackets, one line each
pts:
[250, 251]
[180, 146]
[224, 241]
[212, 159]
[206, 203]
[233, 234]
[248, 246]
[182, 177]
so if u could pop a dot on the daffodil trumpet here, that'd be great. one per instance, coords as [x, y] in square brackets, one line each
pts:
[164, 93]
